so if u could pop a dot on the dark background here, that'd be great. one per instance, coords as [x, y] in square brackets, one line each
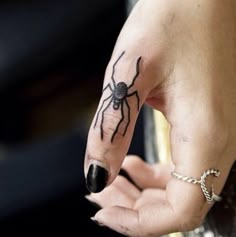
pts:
[53, 55]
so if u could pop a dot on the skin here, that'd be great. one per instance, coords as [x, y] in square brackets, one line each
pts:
[187, 72]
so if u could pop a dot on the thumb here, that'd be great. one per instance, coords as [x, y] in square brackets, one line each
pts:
[139, 64]
[112, 128]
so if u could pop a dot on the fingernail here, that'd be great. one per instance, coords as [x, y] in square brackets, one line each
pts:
[95, 221]
[96, 178]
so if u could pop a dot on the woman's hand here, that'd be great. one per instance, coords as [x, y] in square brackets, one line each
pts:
[178, 57]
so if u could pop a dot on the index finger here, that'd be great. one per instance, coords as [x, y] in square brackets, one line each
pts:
[112, 128]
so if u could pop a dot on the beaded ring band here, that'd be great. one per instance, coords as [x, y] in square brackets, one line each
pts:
[210, 196]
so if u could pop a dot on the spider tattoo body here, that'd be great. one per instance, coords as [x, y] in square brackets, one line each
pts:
[118, 99]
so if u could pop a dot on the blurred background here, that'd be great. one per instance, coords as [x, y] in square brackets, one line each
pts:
[53, 56]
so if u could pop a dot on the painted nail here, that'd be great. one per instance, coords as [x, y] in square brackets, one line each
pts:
[96, 178]
[98, 223]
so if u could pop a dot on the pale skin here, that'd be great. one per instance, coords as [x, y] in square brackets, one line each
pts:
[188, 72]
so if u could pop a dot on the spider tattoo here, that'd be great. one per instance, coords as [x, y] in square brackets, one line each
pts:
[118, 99]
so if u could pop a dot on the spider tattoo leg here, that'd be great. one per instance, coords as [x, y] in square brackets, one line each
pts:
[104, 101]
[102, 120]
[137, 96]
[126, 127]
[118, 100]
[137, 72]
[107, 86]
[113, 68]
[118, 125]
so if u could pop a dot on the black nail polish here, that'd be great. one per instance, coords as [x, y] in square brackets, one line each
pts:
[96, 178]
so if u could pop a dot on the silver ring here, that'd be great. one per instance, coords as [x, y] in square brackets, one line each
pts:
[210, 196]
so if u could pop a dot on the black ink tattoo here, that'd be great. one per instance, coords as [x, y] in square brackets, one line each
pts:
[118, 99]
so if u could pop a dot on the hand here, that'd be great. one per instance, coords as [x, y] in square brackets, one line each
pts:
[179, 58]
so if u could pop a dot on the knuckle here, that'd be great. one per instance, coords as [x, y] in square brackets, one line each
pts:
[113, 119]
[112, 125]
[132, 162]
